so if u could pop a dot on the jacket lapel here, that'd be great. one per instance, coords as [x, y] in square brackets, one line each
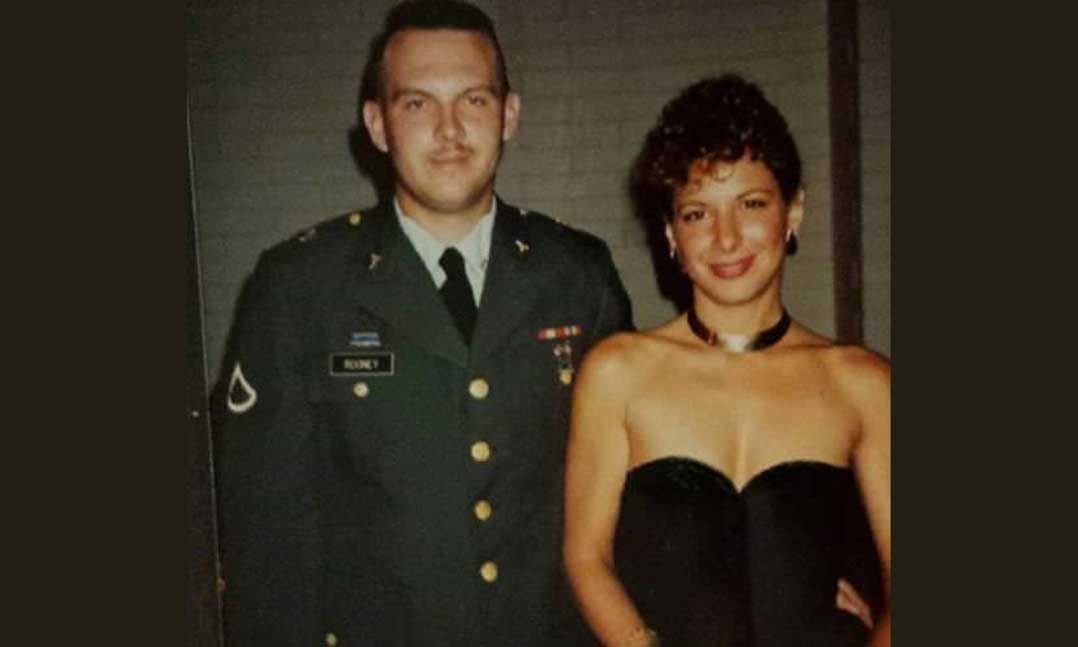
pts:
[395, 286]
[515, 276]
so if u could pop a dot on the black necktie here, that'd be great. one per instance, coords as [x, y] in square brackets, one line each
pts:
[457, 292]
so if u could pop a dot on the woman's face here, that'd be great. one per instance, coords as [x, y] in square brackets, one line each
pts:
[729, 228]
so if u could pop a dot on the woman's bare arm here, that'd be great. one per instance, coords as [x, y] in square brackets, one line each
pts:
[597, 462]
[869, 384]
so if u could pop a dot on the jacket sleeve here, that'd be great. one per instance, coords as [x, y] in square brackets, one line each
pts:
[266, 462]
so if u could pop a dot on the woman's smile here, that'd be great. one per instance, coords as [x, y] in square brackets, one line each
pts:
[732, 270]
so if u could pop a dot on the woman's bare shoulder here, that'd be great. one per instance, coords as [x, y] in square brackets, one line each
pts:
[802, 337]
[843, 358]
[630, 352]
[625, 348]
[858, 359]
[855, 369]
[860, 372]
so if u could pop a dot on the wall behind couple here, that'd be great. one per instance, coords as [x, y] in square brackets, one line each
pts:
[272, 88]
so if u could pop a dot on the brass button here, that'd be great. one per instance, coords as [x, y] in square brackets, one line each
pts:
[361, 389]
[489, 572]
[331, 639]
[480, 452]
[354, 220]
[482, 509]
[479, 388]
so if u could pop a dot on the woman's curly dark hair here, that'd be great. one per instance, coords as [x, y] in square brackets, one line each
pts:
[714, 119]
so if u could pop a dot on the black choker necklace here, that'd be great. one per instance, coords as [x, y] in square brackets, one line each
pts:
[739, 343]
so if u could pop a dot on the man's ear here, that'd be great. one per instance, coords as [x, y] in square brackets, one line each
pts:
[376, 125]
[795, 214]
[510, 116]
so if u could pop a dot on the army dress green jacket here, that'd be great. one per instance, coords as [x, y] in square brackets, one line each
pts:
[381, 482]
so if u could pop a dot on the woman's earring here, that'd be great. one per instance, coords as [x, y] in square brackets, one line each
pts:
[791, 242]
[673, 253]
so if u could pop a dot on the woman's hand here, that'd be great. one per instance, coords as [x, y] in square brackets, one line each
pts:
[850, 601]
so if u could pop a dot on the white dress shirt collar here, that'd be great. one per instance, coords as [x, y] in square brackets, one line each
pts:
[474, 247]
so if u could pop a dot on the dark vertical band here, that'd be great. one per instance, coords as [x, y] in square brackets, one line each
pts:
[845, 170]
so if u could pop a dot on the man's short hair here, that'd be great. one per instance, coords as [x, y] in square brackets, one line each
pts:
[436, 14]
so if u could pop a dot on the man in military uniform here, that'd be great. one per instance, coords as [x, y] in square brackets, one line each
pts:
[398, 383]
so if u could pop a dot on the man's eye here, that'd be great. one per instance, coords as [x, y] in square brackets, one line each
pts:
[690, 216]
[755, 203]
[477, 100]
[413, 104]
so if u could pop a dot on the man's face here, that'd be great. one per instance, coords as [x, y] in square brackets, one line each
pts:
[442, 120]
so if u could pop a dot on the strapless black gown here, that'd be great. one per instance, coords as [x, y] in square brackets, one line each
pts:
[710, 566]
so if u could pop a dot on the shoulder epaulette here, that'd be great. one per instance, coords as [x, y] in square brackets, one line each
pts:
[348, 221]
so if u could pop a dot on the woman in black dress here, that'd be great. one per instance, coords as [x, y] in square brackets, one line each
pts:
[721, 465]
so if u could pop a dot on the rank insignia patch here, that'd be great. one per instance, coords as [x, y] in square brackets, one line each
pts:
[241, 395]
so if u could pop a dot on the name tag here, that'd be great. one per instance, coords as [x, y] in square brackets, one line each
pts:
[352, 364]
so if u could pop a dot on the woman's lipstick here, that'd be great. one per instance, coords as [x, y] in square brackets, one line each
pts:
[731, 270]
